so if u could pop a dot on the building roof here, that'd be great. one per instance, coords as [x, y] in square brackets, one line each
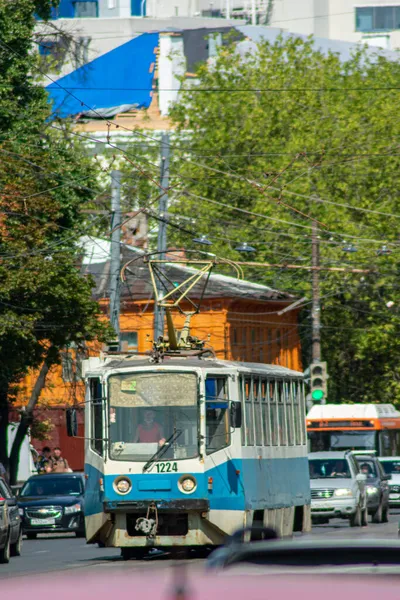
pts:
[257, 33]
[138, 284]
[115, 82]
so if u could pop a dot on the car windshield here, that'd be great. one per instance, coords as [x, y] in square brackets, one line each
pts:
[391, 466]
[52, 486]
[367, 467]
[328, 467]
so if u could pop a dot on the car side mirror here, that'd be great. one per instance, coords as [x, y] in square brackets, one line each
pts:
[387, 477]
[361, 477]
[236, 414]
[71, 422]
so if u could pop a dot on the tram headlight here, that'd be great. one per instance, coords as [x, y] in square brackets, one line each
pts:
[343, 493]
[187, 484]
[122, 485]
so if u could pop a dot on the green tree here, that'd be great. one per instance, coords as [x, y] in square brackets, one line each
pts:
[286, 135]
[45, 178]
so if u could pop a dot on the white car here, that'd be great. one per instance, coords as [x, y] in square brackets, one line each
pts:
[337, 488]
[391, 466]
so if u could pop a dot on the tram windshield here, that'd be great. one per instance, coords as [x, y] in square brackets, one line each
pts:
[147, 409]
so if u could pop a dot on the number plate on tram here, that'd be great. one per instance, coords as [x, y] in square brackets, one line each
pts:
[167, 467]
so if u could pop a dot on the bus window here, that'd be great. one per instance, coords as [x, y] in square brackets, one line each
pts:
[96, 409]
[217, 414]
[273, 412]
[265, 412]
[281, 414]
[249, 413]
[257, 410]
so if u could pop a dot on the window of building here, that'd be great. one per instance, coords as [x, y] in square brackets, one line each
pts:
[85, 10]
[217, 414]
[130, 339]
[377, 18]
[96, 405]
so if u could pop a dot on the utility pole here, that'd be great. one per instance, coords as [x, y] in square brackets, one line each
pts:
[115, 267]
[253, 12]
[316, 306]
[162, 229]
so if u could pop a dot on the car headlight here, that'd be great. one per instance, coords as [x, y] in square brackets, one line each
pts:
[21, 512]
[371, 489]
[187, 484]
[343, 493]
[122, 485]
[72, 509]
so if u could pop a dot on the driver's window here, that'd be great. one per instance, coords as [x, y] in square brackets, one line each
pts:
[217, 413]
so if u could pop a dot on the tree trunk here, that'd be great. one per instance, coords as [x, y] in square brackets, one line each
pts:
[4, 426]
[26, 420]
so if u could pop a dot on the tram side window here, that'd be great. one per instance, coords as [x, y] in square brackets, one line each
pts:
[287, 386]
[265, 412]
[242, 397]
[217, 414]
[257, 410]
[281, 414]
[249, 412]
[273, 407]
[96, 407]
[296, 390]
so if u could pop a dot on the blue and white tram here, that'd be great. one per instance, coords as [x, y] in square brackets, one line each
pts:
[184, 452]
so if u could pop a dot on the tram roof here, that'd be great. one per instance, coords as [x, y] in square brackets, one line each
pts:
[196, 363]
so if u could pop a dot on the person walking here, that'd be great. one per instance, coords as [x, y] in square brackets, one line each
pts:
[58, 463]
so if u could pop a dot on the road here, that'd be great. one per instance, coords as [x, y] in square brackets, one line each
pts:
[63, 553]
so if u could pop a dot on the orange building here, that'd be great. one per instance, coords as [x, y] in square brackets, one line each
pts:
[239, 319]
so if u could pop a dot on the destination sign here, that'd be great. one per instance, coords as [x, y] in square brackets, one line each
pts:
[341, 424]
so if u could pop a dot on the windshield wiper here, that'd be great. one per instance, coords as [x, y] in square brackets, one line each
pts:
[162, 449]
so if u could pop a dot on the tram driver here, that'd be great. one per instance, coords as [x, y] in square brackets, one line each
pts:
[149, 431]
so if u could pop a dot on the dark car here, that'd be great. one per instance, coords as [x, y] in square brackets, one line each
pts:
[4, 532]
[376, 486]
[14, 520]
[52, 503]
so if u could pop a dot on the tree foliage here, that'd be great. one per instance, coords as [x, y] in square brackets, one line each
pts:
[45, 179]
[290, 135]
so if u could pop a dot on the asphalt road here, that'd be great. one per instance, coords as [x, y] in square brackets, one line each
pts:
[63, 553]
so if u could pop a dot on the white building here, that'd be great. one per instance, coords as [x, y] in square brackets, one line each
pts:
[377, 22]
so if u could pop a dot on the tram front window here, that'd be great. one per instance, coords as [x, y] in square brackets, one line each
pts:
[323, 441]
[146, 410]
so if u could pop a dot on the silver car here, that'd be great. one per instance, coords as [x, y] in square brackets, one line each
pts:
[337, 488]
[391, 466]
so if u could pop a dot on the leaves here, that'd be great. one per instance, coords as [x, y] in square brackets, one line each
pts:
[294, 135]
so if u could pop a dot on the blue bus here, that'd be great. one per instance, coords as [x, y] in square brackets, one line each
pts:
[185, 452]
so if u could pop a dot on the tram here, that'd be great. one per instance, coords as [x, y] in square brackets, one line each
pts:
[182, 453]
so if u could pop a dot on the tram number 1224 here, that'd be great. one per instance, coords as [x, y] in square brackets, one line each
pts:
[167, 467]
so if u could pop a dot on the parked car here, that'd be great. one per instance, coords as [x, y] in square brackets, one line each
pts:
[337, 488]
[53, 503]
[376, 486]
[391, 466]
[14, 520]
[4, 532]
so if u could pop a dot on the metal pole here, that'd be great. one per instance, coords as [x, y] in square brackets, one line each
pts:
[162, 229]
[115, 267]
[316, 308]
[228, 9]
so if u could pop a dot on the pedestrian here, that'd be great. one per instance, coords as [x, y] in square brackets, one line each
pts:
[58, 463]
[43, 465]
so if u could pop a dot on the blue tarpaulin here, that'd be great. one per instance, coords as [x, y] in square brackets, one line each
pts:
[123, 76]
